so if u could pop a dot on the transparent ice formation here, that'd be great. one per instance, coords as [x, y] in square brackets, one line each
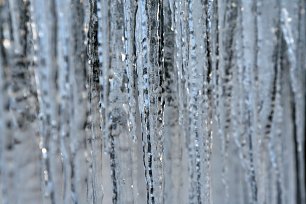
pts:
[152, 101]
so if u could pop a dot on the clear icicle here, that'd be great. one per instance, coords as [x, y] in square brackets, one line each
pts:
[152, 101]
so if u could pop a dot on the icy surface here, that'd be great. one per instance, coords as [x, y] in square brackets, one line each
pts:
[152, 101]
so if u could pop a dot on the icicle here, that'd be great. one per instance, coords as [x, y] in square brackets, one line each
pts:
[19, 110]
[144, 71]
[249, 102]
[197, 99]
[129, 59]
[64, 95]
[173, 142]
[46, 75]
[152, 101]
[297, 88]
[226, 114]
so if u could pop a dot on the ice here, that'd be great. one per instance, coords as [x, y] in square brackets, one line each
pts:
[152, 101]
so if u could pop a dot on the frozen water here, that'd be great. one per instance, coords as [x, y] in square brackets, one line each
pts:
[152, 101]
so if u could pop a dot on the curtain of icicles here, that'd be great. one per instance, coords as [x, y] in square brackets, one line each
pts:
[152, 101]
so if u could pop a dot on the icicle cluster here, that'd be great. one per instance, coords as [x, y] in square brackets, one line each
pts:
[152, 101]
